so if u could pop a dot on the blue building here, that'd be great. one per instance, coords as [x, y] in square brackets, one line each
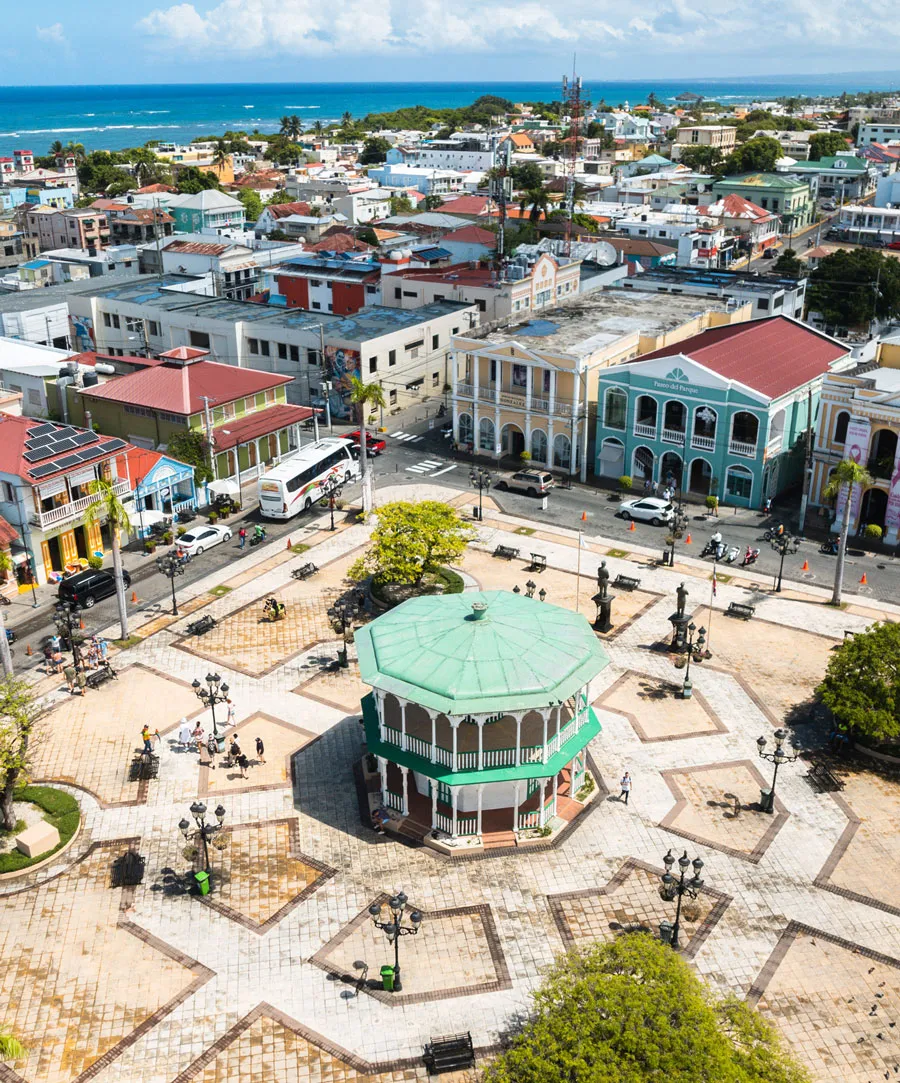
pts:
[724, 413]
[161, 485]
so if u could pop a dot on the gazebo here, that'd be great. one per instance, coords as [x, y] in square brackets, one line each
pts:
[481, 709]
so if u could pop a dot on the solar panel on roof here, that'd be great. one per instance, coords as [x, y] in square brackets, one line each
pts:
[62, 445]
[67, 461]
[85, 438]
[42, 471]
[41, 441]
[111, 445]
[91, 453]
[65, 431]
[40, 430]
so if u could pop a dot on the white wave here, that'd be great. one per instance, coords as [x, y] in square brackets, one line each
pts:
[9, 135]
[88, 114]
[249, 106]
[147, 112]
[301, 107]
[115, 127]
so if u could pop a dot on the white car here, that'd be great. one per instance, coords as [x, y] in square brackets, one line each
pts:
[199, 538]
[648, 509]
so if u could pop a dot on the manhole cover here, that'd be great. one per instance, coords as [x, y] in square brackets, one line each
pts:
[809, 575]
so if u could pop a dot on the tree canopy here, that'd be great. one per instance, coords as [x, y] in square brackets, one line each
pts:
[862, 683]
[18, 718]
[632, 1011]
[192, 180]
[788, 264]
[412, 540]
[826, 144]
[755, 156]
[849, 288]
[421, 117]
[253, 204]
[374, 150]
[701, 159]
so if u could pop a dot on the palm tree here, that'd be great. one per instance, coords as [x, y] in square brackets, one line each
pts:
[285, 128]
[76, 150]
[539, 198]
[346, 120]
[849, 474]
[365, 396]
[318, 127]
[220, 155]
[295, 127]
[108, 506]
[10, 1047]
[56, 149]
[6, 566]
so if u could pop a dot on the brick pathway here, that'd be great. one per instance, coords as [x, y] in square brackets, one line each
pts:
[656, 710]
[280, 741]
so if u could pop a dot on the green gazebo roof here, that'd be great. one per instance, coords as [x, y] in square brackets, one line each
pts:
[479, 652]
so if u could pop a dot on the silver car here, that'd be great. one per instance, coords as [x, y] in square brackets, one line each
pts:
[532, 482]
[648, 509]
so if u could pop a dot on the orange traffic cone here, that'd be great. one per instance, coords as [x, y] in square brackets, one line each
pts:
[863, 581]
[805, 567]
[288, 544]
[631, 527]
[28, 650]
[687, 540]
[81, 624]
[584, 516]
[133, 597]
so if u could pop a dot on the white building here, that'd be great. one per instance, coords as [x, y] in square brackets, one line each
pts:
[878, 131]
[427, 180]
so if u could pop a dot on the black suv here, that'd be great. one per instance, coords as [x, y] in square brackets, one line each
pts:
[85, 588]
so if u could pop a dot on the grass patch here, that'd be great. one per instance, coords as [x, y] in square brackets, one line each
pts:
[720, 578]
[451, 581]
[20, 826]
[59, 808]
[525, 530]
[299, 548]
[219, 592]
[124, 644]
[617, 553]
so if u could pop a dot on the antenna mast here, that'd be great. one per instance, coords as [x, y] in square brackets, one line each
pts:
[575, 106]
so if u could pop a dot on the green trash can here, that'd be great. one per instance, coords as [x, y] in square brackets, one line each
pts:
[387, 978]
[202, 879]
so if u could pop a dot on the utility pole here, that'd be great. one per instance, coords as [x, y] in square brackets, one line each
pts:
[211, 440]
[807, 461]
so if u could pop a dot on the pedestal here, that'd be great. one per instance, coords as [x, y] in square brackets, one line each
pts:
[603, 623]
[679, 624]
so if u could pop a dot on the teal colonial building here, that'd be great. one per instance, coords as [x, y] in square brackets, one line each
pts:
[723, 413]
[480, 712]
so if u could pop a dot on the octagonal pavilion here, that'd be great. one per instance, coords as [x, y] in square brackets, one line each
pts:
[480, 712]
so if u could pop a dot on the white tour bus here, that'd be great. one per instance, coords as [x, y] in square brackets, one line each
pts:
[295, 484]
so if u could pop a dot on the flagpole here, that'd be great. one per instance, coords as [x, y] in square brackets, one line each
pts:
[578, 572]
[712, 594]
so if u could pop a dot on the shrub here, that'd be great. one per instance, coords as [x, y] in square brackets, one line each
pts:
[181, 530]
[525, 456]
[59, 808]
[213, 517]
[873, 530]
[95, 563]
[862, 683]
[150, 546]
[625, 481]
[712, 502]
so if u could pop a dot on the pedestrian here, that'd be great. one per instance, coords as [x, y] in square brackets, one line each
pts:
[243, 763]
[184, 733]
[212, 747]
[625, 785]
[80, 679]
[260, 750]
[197, 737]
[646, 485]
[242, 535]
[229, 721]
[147, 737]
[69, 673]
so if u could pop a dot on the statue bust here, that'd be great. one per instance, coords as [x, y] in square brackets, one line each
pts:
[682, 594]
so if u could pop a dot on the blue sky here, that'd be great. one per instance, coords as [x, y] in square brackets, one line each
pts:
[190, 41]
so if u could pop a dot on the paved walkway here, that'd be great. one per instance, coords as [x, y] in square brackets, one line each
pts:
[269, 977]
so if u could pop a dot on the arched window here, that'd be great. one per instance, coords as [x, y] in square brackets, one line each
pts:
[539, 445]
[705, 419]
[612, 458]
[674, 418]
[744, 431]
[562, 451]
[465, 428]
[840, 427]
[645, 415]
[486, 435]
[615, 409]
[739, 483]
[642, 462]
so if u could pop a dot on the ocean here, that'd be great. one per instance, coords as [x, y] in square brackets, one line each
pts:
[113, 117]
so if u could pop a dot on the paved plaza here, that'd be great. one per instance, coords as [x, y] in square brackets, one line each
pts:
[272, 976]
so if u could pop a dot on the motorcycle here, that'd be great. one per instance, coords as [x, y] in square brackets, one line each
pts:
[714, 547]
[257, 537]
[732, 554]
[829, 548]
[750, 557]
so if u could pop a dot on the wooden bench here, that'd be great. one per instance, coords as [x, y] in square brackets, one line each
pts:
[450, 1053]
[306, 571]
[740, 609]
[626, 582]
[538, 562]
[507, 552]
[202, 625]
[144, 767]
[823, 778]
[97, 676]
[128, 870]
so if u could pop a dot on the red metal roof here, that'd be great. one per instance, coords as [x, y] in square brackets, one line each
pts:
[772, 355]
[179, 388]
[476, 205]
[14, 432]
[473, 235]
[273, 418]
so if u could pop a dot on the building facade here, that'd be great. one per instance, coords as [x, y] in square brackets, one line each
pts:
[788, 197]
[87, 229]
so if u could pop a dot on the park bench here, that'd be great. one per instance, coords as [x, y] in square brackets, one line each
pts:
[538, 562]
[306, 571]
[202, 625]
[823, 778]
[450, 1053]
[740, 609]
[506, 551]
[144, 767]
[97, 676]
[128, 870]
[626, 582]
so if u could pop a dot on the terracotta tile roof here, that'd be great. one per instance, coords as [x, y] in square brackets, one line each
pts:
[273, 418]
[473, 235]
[139, 462]
[475, 205]
[153, 189]
[342, 241]
[282, 210]
[772, 356]
[8, 534]
[178, 388]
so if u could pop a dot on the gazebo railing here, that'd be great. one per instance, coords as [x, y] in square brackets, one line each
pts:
[529, 819]
[465, 825]
[394, 800]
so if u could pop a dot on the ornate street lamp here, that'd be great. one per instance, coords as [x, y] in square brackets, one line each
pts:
[695, 649]
[778, 757]
[482, 480]
[203, 829]
[209, 697]
[530, 588]
[342, 614]
[394, 927]
[678, 887]
[331, 490]
[170, 565]
[67, 617]
[782, 544]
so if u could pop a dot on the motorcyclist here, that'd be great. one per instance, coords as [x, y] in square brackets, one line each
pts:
[259, 532]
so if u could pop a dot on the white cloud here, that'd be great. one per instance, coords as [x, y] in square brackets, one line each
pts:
[599, 29]
[53, 34]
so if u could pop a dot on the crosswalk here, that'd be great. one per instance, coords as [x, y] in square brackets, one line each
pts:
[424, 467]
[406, 437]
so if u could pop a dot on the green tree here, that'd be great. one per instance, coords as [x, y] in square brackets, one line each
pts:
[192, 180]
[220, 156]
[538, 200]
[788, 264]
[18, 718]
[291, 127]
[847, 475]
[253, 205]
[701, 159]
[107, 506]
[10, 1048]
[526, 177]
[411, 541]
[366, 397]
[374, 150]
[826, 144]
[862, 683]
[346, 120]
[632, 1011]
[401, 204]
[431, 203]
[755, 156]
[318, 127]
[192, 449]
[850, 288]
[75, 150]
[56, 149]
[279, 197]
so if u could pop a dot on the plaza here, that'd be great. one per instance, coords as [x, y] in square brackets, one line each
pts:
[270, 977]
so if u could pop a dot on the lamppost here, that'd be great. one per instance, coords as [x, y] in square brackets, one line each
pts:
[680, 887]
[778, 757]
[331, 489]
[394, 927]
[677, 527]
[209, 697]
[782, 545]
[67, 617]
[204, 829]
[530, 588]
[694, 649]
[171, 564]
[343, 613]
[482, 480]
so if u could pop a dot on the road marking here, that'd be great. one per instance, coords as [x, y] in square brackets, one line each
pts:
[438, 473]
[398, 435]
[425, 466]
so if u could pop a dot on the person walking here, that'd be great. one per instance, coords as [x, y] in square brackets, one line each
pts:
[243, 763]
[242, 536]
[184, 733]
[69, 673]
[212, 747]
[625, 786]
[260, 750]
[147, 737]
[229, 721]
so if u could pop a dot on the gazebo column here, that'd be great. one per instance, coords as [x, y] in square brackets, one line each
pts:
[434, 797]
[455, 726]
[518, 740]
[403, 724]
[382, 771]
[480, 797]
[453, 806]
[545, 715]
[515, 826]
[555, 786]
[379, 701]
[405, 772]
[434, 738]
[480, 744]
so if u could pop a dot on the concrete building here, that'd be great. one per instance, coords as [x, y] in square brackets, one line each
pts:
[767, 295]
[428, 181]
[26, 366]
[460, 151]
[841, 177]
[341, 283]
[788, 197]
[872, 223]
[233, 268]
[887, 193]
[533, 386]
[87, 229]
[879, 131]
[207, 210]
[719, 136]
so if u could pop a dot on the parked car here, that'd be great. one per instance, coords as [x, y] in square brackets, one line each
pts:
[202, 537]
[648, 509]
[828, 205]
[769, 253]
[89, 587]
[894, 245]
[374, 444]
[532, 482]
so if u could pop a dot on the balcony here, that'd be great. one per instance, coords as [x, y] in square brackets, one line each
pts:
[673, 436]
[75, 510]
[648, 431]
[739, 447]
[703, 443]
